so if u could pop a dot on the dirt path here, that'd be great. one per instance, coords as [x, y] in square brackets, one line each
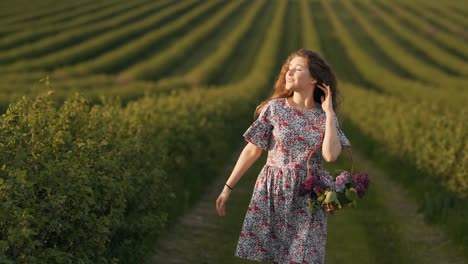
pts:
[428, 243]
[203, 237]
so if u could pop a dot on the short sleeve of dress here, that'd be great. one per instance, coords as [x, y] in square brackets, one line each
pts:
[343, 139]
[259, 132]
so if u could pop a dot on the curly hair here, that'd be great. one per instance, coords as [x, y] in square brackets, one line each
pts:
[319, 70]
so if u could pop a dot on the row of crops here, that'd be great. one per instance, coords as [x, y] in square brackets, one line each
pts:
[187, 72]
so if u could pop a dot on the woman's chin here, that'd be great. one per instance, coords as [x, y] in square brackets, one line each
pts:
[289, 87]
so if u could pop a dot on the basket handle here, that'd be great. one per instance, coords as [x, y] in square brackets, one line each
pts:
[319, 145]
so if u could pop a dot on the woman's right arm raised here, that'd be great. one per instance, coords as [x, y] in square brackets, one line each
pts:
[249, 155]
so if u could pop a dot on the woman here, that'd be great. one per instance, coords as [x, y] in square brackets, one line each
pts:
[298, 117]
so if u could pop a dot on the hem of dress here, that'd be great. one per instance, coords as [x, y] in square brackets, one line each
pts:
[254, 259]
[260, 260]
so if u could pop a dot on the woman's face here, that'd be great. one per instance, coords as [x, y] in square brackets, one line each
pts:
[298, 77]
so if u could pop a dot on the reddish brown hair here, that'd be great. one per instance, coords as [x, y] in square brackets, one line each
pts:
[319, 70]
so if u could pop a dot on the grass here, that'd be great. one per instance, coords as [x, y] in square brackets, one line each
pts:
[449, 216]
[368, 229]
[203, 236]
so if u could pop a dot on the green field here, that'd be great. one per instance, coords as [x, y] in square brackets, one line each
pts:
[141, 105]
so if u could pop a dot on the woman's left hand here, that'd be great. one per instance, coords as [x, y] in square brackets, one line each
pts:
[327, 104]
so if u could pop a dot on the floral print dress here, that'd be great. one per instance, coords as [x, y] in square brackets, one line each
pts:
[277, 227]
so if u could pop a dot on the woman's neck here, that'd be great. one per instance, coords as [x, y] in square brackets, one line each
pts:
[301, 101]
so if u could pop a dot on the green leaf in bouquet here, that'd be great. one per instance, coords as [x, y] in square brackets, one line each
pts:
[338, 204]
[321, 197]
[330, 196]
[351, 194]
[310, 206]
[343, 198]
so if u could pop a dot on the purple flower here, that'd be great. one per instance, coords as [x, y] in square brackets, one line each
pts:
[311, 182]
[344, 176]
[339, 187]
[313, 196]
[302, 190]
[341, 179]
[361, 190]
[319, 189]
[362, 178]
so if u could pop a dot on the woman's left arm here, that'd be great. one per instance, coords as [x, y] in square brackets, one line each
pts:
[331, 147]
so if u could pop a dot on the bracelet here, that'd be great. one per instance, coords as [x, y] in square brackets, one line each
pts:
[229, 186]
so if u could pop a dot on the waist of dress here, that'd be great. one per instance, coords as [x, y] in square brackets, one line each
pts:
[294, 165]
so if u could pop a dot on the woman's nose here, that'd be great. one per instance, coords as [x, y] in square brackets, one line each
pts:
[291, 72]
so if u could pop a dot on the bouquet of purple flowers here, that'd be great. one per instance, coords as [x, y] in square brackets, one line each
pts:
[349, 187]
[343, 193]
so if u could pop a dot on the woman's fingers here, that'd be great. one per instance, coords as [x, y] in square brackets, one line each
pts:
[220, 206]
[323, 89]
[218, 203]
[221, 211]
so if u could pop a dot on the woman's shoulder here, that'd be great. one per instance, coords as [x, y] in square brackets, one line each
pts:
[272, 106]
[276, 102]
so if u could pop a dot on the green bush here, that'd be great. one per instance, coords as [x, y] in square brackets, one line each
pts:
[98, 184]
[75, 183]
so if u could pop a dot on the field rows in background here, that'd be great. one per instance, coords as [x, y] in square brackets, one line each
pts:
[454, 14]
[440, 22]
[172, 60]
[154, 66]
[397, 57]
[89, 48]
[44, 12]
[406, 39]
[380, 47]
[143, 67]
[111, 85]
[451, 64]
[8, 9]
[141, 47]
[13, 41]
[108, 85]
[63, 18]
[212, 60]
[241, 61]
[417, 19]
[369, 73]
[310, 39]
